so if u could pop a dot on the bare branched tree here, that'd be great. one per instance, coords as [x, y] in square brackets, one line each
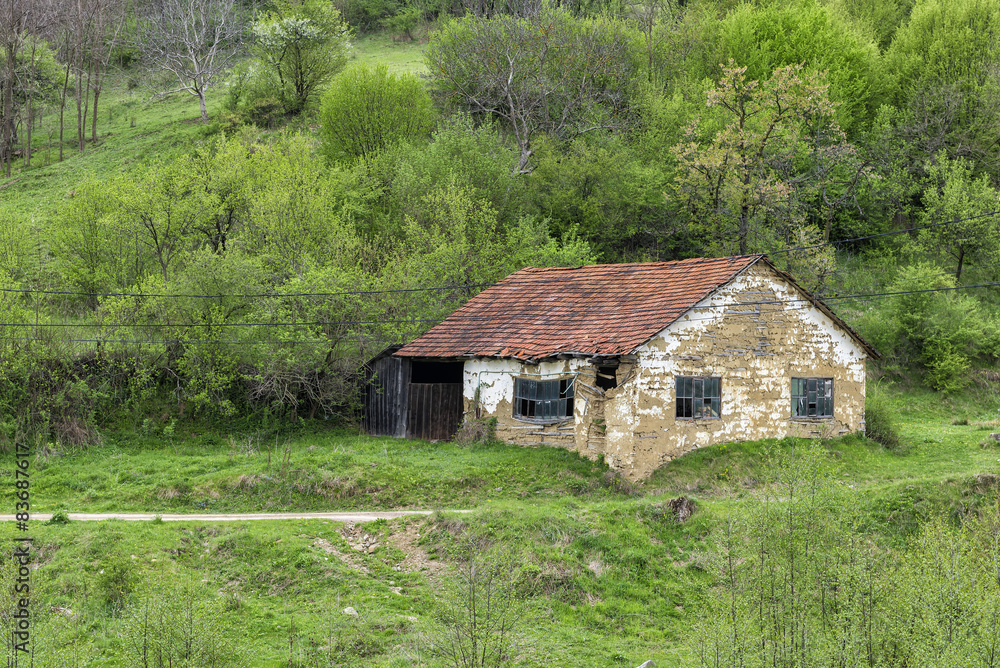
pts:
[14, 15]
[194, 40]
[550, 73]
[109, 20]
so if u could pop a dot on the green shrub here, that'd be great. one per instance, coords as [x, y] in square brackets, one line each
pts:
[928, 325]
[59, 517]
[251, 97]
[116, 581]
[369, 108]
[476, 430]
[880, 420]
[404, 22]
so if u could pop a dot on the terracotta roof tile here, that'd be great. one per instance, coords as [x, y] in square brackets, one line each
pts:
[607, 309]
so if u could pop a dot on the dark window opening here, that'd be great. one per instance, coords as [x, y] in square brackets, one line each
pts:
[543, 400]
[607, 377]
[812, 397]
[699, 398]
[436, 372]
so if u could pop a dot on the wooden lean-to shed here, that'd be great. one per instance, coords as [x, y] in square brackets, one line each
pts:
[412, 399]
[638, 363]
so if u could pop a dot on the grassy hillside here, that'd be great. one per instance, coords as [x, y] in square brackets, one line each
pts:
[607, 575]
[136, 127]
[321, 472]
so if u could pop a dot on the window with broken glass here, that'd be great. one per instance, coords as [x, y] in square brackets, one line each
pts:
[699, 398]
[812, 397]
[543, 400]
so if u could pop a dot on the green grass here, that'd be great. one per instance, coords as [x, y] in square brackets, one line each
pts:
[318, 472]
[599, 587]
[609, 577]
[397, 56]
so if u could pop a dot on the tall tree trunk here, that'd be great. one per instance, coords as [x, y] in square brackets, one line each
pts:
[27, 133]
[86, 105]
[8, 99]
[79, 107]
[62, 99]
[79, 55]
[743, 229]
[204, 109]
[29, 111]
[97, 94]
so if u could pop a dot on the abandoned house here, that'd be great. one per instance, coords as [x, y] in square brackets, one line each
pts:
[637, 362]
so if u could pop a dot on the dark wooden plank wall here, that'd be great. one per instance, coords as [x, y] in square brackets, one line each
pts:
[385, 398]
[434, 411]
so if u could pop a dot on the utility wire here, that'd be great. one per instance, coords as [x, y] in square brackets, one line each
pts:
[468, 286]
[626, 314]
[241, 295]
[885, 234]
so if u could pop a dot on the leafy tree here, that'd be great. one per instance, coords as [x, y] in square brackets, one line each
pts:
[36, 83]
[547, 73]
[31, 77]
[937, 328]
[367, 108]
[96, 249]
[765, 38]
[14, 245]
[301, 44]
[945, 40]
[291, 222]
[162, 209]
[474, 159]
[776, 147]
[457, 240]
[878, 18]
[943, 62]
[225, 170]
[953, 194]
[598, 186]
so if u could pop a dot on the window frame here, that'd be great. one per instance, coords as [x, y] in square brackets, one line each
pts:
[554, 396]
[801, 385]
[688, 390]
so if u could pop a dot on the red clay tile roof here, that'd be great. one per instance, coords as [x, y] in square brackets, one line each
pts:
[605, 309]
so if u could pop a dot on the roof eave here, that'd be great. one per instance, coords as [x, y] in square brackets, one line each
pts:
[822, 306]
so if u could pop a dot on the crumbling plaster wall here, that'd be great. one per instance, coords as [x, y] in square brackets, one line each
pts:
[489, 392]
[756, 348]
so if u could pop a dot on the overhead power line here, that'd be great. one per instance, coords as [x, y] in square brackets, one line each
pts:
[885, 234]
[627, 314]
[71, 293]
[271, 295]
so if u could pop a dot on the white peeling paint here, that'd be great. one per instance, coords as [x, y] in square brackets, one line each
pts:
[755, 355]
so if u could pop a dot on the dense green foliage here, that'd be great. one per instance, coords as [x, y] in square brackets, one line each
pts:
[367, 109]
[249, 268]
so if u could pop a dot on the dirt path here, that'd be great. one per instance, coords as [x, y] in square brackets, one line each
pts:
[234, 517]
